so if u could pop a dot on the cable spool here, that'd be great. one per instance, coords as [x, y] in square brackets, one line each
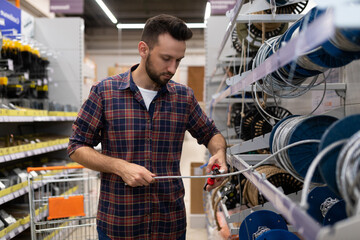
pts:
[235, 115]
[236, 42]
[263, 123]
[251, 42]
[295, 8]
[297, 160]
[254, 123]
[341, 129]
[320, 200]
[339, 50]
[336, 213]
[261, 222]
[278, 177]
[276, 234]
[243, 124]
[252, 34]
[348, 174]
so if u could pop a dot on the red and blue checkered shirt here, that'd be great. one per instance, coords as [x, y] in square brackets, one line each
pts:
[115, 115]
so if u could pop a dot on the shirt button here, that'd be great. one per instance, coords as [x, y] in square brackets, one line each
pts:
[149, 139]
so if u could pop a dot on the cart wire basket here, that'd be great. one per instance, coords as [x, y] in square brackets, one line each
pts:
[63, 202]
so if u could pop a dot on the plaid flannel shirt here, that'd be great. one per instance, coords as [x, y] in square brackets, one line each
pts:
[115, 115]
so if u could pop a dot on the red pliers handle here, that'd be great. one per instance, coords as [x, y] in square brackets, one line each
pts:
[215, 169]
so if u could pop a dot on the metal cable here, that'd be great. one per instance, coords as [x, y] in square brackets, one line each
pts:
[312, 168]
[348, 174]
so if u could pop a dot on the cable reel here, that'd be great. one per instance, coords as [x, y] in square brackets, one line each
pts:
[237, 44]
[348, 174]
[325, 206]
[276, 176]
[265, 224]
[341, 129]
[297, 160]
[340, 49]
[252, 34]
[295, 8]
[243, 124]
[263, 123]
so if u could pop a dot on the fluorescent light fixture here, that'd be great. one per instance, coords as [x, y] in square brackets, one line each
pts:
[141, 25]
[196, 25]
[107, 11]
[130, 25]
[207, 12]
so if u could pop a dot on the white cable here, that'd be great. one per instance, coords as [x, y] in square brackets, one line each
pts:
[247, 169]
[285, 148]
[312, 168]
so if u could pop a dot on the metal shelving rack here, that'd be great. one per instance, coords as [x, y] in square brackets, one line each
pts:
[317, 32]
[65, 37]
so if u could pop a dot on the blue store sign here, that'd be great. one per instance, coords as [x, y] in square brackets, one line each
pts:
[10, 18]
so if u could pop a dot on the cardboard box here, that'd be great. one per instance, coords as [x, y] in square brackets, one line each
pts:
[196, 189]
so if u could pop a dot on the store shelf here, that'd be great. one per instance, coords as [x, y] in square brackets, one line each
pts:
[316, 33]
[8, 115]
[250, 145]
[233, 15]
[22, 224]
[13, 192]
[20, 189]
[302, 222]
[238, 217]
[260, 5]
[14, 230]
[268, 18]
[17, 152]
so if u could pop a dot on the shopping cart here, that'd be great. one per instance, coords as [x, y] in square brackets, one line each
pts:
[63, 202]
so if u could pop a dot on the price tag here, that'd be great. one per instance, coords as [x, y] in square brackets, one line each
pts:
[8, 198]
[16, 194]
[22, 191]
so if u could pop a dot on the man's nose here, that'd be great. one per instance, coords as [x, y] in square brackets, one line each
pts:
[172, 67]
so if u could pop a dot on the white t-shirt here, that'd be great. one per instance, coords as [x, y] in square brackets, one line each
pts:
[148, 96]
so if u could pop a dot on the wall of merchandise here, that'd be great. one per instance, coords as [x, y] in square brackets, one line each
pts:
[281, 84]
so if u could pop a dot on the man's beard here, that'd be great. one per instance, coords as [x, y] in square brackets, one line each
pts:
[155, 77]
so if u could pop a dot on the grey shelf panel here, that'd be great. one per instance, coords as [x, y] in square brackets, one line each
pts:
[7, 119]
[33, 152]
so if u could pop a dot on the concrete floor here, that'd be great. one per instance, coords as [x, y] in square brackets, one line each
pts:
[192, 152]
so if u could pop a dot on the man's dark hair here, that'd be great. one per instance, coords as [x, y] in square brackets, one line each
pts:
[162, 24]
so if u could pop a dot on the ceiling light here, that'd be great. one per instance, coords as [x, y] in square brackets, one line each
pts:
[107, 11]
[130, 25]
[196, 25]
[141, 25]
[207, 12]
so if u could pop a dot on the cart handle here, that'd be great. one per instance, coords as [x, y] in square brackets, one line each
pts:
[29, 169]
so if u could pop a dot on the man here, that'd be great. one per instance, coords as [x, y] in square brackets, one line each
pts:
[140, 118]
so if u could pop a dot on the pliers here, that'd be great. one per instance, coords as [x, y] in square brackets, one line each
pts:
[215, 169]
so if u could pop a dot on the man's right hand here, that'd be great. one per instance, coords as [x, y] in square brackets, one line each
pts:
[135, 175]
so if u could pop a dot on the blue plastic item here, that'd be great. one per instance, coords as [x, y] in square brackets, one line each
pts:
[277, 234]
[301, 156]
[341, 129]
[271, 138]
[336, 213]
[261, 218]
[315, 198]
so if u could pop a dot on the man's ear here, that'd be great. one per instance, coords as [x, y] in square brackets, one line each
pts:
[143, 49]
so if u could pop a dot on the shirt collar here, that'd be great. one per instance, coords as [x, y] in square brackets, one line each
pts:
[128, 82]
